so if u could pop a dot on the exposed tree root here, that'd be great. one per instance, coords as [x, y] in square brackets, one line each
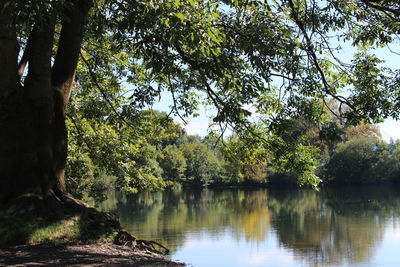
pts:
[124, 238]
[51, 206]
[149, 245]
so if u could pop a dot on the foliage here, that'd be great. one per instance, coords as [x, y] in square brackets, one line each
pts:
[234, 52]
[366, 130]
[364, 160]
[128, 153]
[202, 165]
[173, 163]
[245, 161]
[174, 157]
[275, 56]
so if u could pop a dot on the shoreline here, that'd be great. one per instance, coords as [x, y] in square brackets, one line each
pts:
[95, 254]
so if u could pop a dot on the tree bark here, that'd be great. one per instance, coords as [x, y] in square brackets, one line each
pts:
[63, 75]
[8, 97]
[8, 51]
[33, 134]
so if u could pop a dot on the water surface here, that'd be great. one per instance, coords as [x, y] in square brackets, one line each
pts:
[244, 227]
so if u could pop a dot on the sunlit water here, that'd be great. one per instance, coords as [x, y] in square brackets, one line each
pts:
[242, 227]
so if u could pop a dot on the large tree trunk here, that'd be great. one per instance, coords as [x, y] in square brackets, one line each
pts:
[33, 154]
[33, 134]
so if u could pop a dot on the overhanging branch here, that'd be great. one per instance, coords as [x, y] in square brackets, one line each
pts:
[103, 93]
[312, 54]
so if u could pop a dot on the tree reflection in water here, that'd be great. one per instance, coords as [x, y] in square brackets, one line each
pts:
[329, 227]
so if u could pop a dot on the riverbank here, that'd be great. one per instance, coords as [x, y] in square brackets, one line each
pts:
[89, 238]
[101, 254]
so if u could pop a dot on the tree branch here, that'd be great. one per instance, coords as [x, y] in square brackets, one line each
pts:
[38, 80]
[313, 56]
[25, 56]
[66, 60]
[375, 5]
[96, 83]
[79, 132]
[174, 100]
[8, 49]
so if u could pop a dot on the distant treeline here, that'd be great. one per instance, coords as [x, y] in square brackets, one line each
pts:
[163, 155]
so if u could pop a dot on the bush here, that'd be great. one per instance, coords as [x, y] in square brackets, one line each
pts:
[363, 160]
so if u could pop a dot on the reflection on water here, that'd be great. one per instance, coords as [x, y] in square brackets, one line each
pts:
[235, 227]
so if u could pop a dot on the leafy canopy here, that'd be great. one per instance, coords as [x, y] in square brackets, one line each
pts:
[278, 57]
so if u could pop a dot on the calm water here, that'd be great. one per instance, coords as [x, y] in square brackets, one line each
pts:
[236, 227]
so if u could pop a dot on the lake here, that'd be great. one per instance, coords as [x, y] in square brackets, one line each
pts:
[268, 227]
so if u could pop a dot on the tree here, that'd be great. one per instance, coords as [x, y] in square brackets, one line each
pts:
[246, 161]
[134, 155]
[366, 130]
[363, 160]
[34, 134]
[173, 163]
[202, 165]
[232, 51]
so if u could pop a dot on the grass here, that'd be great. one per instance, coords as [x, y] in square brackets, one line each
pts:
[30, 230]
[58, 232]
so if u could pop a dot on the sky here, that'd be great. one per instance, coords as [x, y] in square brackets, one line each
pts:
[196, 125]
[390, 128]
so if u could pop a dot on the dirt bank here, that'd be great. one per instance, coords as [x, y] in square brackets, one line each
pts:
[80, 255]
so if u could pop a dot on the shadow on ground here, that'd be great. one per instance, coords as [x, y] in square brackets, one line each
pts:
[79, 255]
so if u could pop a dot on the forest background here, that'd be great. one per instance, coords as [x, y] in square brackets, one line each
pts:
[66, 66]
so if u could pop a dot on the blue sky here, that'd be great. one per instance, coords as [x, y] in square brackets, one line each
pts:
[196, 125]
